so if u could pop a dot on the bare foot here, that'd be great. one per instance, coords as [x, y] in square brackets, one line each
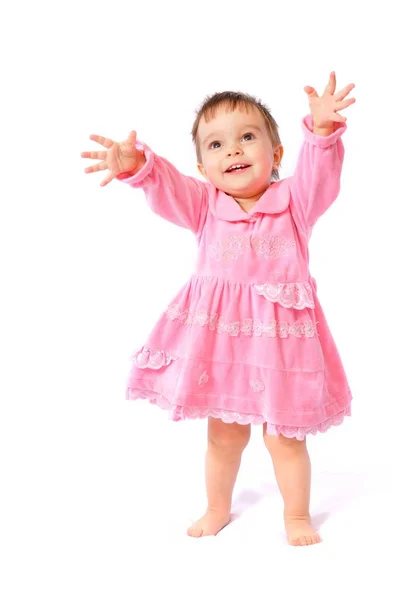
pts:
[300, 531]
[210, 524]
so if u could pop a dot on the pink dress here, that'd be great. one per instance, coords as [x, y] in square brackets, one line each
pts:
[245, 339]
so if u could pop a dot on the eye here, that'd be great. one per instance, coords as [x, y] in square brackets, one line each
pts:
[214, 145]
[248, 137]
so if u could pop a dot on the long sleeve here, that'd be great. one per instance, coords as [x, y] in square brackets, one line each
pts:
[316, 181]
[178, 198]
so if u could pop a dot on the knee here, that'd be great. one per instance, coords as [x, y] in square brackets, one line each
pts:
[228, 437]
[281, 446]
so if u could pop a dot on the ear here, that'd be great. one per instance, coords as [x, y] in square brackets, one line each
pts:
[278, 154]
[202, 171]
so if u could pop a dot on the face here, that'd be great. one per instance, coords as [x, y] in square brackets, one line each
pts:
[237, 153]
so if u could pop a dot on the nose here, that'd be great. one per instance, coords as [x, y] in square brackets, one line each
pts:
[235, 150]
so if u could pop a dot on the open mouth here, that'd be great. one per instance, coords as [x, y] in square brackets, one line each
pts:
[237, 168]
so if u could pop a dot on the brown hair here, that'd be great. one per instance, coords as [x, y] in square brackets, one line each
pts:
[235, 100]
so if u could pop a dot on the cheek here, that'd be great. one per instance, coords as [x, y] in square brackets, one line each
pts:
[212, 166]
[265, 160]
[264, 154]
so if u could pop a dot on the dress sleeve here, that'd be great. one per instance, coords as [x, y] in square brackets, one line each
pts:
[178, 198]
[316, 181]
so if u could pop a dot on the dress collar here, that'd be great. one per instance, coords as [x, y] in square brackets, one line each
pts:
[274, 200]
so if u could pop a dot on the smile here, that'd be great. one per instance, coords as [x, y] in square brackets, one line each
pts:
[237, 168]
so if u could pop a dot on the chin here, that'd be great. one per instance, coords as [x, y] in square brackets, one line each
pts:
[246, 193]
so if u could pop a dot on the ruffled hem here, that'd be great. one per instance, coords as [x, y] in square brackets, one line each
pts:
[290, 295]
[178, 413]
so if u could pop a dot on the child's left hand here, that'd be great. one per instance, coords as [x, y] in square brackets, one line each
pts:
[324, 108]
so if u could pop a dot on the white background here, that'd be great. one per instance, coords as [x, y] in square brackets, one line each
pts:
[96, 492]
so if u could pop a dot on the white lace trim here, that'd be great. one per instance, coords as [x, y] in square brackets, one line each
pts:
[227, 416]
[248, 326]
[289, 295]
[272, 246]
[147, 358]
[234, 246]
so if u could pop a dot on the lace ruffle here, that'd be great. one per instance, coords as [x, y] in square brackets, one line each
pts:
[289, 295]
[247, 326]
[146, 358]
[177, 413]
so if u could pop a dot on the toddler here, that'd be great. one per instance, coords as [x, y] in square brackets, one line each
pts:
[245, 340]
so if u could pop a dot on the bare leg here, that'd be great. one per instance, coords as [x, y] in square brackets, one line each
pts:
[292, 468]
[226, 442]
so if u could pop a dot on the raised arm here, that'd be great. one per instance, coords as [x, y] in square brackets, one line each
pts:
[178, 198]
[181, 199]
[316, 181]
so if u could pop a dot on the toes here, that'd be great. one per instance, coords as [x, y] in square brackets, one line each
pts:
[195, 532]
[303, 540]
[310, 540]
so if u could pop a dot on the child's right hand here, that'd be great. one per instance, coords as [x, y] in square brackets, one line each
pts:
[121, 157]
